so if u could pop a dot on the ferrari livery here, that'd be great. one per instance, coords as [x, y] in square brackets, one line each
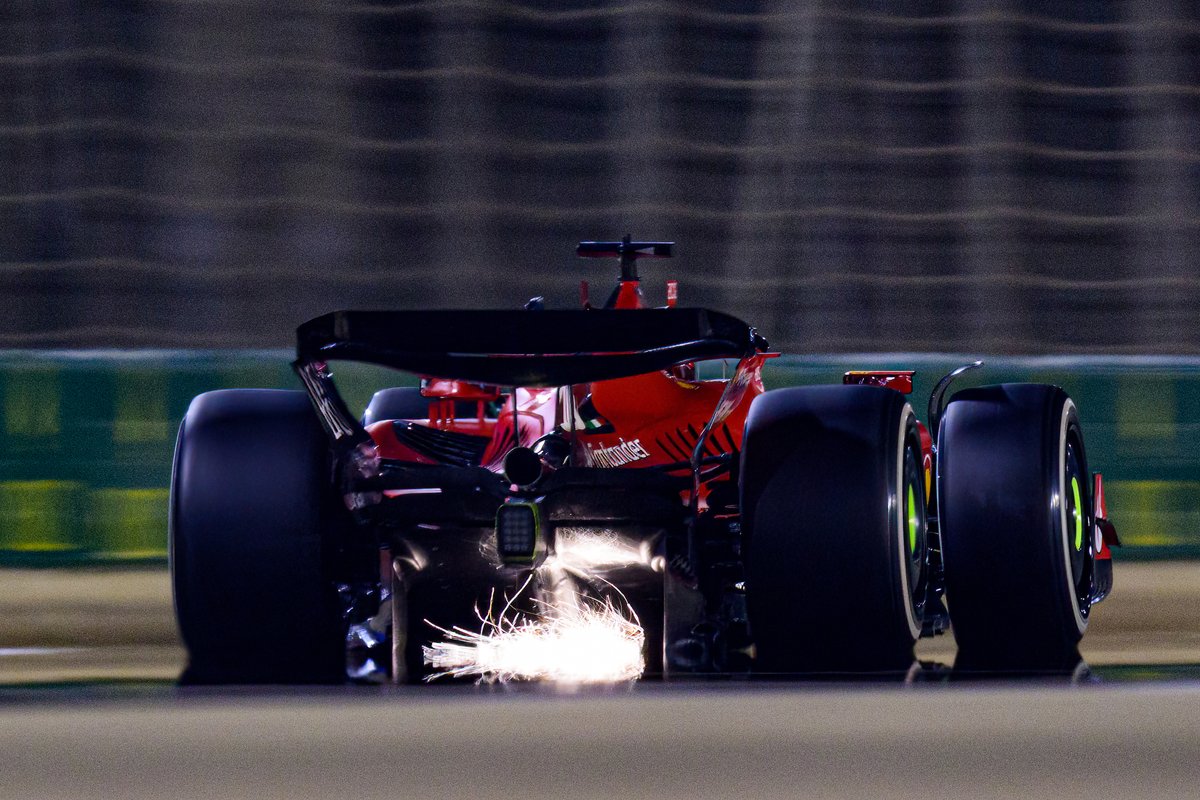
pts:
[568, 495]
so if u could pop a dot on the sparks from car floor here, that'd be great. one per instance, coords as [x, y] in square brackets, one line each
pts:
[574, 639]
[742, 505]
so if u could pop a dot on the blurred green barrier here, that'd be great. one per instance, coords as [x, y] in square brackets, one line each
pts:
[1141, 420]
[86, 441]
[86, 438]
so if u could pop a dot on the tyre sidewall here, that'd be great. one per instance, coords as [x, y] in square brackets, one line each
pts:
[253, 521]
[822, 511]
[1002, 504]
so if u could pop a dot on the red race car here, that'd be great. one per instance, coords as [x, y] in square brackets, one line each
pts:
[563, 498]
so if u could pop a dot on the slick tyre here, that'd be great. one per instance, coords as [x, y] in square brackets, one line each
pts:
[407, 402]
[1015, 504]
[401, 402]
[834, 522]
[252, 520]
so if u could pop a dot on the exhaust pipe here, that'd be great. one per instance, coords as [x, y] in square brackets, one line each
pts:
[526, 466]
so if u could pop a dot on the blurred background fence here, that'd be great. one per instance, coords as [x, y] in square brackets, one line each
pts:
[1011, 176]
[86, 442]
[1018, 177]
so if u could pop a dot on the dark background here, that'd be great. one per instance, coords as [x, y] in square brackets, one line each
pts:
[1007, 177]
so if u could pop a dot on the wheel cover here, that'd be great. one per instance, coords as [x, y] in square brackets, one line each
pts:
[914, 521]
[910, 524]
[1077, 548]
[1077, 513]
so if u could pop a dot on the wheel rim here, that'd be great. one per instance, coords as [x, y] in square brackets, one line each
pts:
[915, 524]
[1079, 543]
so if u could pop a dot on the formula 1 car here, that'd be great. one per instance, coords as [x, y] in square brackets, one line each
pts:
[798, 530]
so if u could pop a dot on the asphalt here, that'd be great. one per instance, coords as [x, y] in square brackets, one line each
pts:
[710, 741]
[89, 709]
[118, 624]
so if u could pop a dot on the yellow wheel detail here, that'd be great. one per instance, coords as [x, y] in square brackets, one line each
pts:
[914, 519]
[1077, 513]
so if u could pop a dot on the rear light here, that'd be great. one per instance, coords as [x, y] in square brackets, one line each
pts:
[519, 536]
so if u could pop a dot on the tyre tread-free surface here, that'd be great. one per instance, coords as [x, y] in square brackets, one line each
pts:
[1000, 467]
[252, 514]
[407, 402]
[824, 580]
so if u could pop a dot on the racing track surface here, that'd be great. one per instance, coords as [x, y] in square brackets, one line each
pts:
[93, 737]
[720, 741]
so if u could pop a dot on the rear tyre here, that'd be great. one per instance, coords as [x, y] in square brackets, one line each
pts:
[834, 522]
[253, 518]
[400, 402]
[407, 402]
[1015, 509]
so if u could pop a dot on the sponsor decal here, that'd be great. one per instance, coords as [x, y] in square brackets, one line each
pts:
[617, 455]
[315, 380]
[747, 370]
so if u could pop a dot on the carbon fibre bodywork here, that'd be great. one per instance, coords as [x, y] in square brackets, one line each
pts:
[592, 420]
[644, 452]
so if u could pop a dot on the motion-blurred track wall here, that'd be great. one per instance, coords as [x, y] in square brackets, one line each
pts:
[1018, 176]
[86, 438]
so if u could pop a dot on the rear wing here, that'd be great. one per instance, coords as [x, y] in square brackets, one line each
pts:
[508, 348]
[527, 348]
